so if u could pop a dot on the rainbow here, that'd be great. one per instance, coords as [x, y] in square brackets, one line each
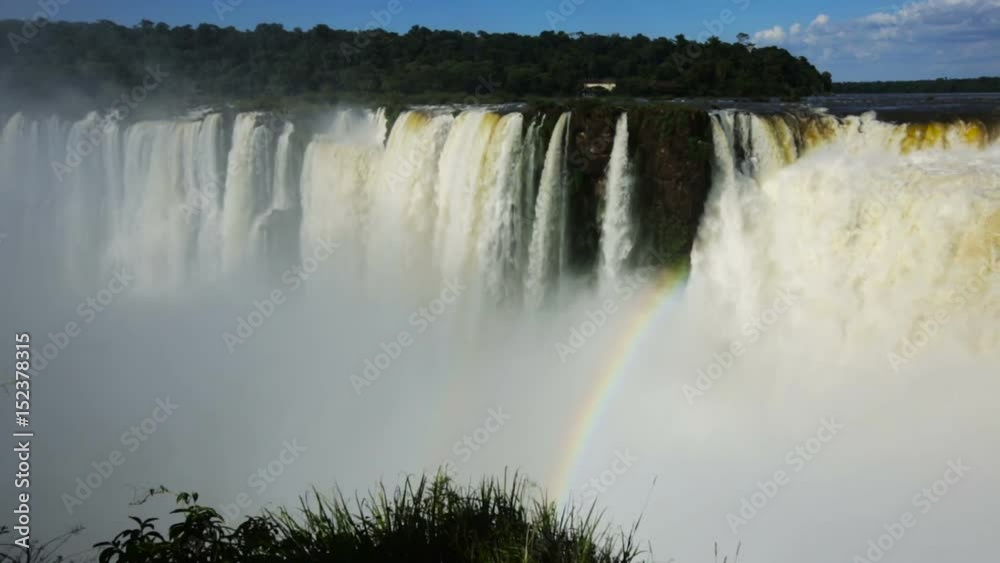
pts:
[667, 288]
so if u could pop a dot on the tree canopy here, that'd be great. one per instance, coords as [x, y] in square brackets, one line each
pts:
[99, 59]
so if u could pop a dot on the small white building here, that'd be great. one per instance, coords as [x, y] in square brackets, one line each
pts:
[608, 85]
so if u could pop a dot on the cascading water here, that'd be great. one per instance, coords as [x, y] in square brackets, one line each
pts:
[532, 150]
[546, 255]
[617, 230]
[204, 205]
[184, 199]
[248, 186]
[85, 196]
[878, 226]
[285, 193]
[336, 169]
[461, 171]
[499, 192]
[404, 209]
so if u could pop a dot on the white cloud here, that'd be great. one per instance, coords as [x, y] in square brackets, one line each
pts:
[879, 18]
[774, 35]
[821, 20]
[926, 38]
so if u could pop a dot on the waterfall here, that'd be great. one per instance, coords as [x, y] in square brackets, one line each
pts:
[525, 217]
[285, 196]
[481, 196]
[112, 160]
[28, 147]
[404, 209]
[156, 235]
[826, 243]
[501, 184]
[617, 231]
[269, 234]
[205, 202]
[334, 197]
[188, 199]
[547, 253]
[13, 133]
[453, 192]
[359, 126]
[248, 190]
[459, 192]
[85, 193]
[878, 226]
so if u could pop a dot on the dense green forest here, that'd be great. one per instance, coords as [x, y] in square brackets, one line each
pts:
[939, 86]
[99, 59]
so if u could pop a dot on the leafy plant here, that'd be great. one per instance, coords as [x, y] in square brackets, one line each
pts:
[423, 520]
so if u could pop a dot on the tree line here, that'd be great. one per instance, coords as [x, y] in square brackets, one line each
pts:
[98, 59]
[939, 86]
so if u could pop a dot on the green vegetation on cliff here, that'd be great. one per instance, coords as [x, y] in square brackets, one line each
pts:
[212, 63]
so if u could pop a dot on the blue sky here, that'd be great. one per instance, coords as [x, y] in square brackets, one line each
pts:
[853, 39]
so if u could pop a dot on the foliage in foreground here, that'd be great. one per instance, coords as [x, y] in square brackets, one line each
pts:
[430, 520]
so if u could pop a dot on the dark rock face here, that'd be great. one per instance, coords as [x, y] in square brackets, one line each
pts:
[672, 153]
[591, 138]
[670, 148]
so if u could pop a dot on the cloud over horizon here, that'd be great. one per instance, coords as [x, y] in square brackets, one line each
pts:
[924, 39]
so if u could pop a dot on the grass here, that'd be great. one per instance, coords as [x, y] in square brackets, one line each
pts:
[425, 520]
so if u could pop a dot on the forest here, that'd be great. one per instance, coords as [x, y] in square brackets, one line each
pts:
[97, 60]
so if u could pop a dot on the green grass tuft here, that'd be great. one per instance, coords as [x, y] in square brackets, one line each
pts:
[425, 520]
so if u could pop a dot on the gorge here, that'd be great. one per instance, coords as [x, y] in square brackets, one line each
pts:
[728, 282]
